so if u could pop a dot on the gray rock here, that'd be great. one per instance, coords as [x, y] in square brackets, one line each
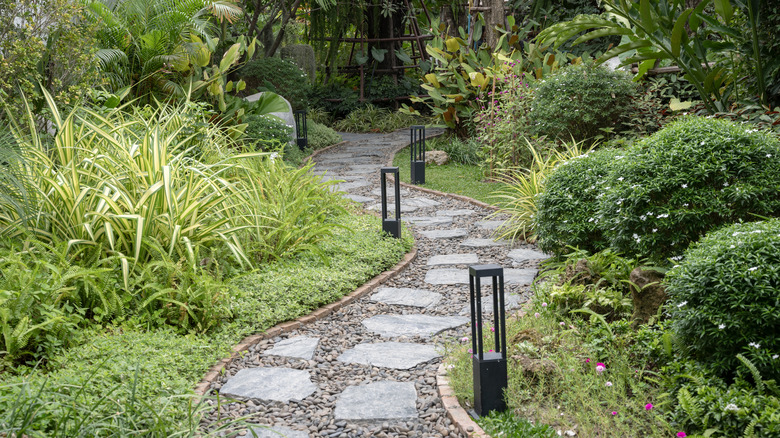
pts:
[301, 347]
[438, 158]
[511, 301]
[277, 384]
[421, 202]
[447, 276]
[378, 401]
[287, 116]
[411, 325]
[398, 355]
[482, 243]
[406, 296]
[343, 187]
[428, 221]
[453, 259]
[458, 212]
[523, 254]
[277, 432]
[390, 191]
[489, 225]
[520, 277]
[391, 207]
[443, 234]
[361, 199]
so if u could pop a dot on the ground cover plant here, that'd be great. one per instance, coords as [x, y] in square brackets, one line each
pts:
[370, 118]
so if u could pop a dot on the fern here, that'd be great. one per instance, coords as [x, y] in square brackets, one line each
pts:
[754, 372]
[689, 405]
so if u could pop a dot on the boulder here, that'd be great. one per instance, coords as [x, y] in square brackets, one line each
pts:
[437, 157]
[647, 294]
[287, 116]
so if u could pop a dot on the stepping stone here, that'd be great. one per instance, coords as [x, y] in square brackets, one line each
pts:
[422, 202]
[338, 156]
[522, 277]
[390, 192]
[453, 259]
[361, 171]
[490, 225]
[358, 198]
[378, 401]
[277, 432]
[511, 301]
[428, 221]
[391, 207]
[523, 254]
[410, 325]
[398, 355]
[277, 384]
[447, 276]
[443, 234]
[461, 212]
[343, 187]
[482, 243]
[360, 167]
[405, 296]
[301, 347]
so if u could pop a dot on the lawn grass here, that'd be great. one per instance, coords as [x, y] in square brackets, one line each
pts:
[461, 179]
[143, 378]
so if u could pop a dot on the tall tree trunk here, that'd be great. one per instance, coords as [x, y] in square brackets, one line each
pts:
[287, 13]
[494, 17]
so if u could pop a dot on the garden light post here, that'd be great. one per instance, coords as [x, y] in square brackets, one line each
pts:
[417, 147]
[489, 369]
[391, 226]
[301, 131]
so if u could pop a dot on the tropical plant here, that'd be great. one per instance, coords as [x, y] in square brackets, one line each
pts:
[280, 76]
[693, 39]
[374, 119]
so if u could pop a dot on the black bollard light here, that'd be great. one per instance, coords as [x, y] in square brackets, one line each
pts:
[391, 226]
[489, 369]
[418, 154]
[301, 131]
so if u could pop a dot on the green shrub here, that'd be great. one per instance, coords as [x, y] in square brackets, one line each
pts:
[374, 119]
[336, 98]
[280, 76]
[267, 133]
[581, 100]
[693, 176]
[321, 136]
[724, 297]
[568, 207]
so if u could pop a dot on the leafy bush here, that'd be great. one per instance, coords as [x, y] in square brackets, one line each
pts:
[724, 296]
[267, 132]
[567, 208]
[321, 136]
[691, 177]
[580, 100]
[373, 119]
[463, 151]
[281, 76]
[336, 98]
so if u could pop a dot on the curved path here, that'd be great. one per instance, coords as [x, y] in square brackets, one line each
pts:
[369, 369]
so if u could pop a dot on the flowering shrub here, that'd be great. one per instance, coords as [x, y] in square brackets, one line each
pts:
[580, 100]
[691, 177]
[724, 296]
[269, 133]
[568, 206]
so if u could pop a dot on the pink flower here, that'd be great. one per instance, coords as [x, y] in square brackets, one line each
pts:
[536, 314]
[544, 304]
[587, 360]
[470, 350]
[614, 412]
[682, 434]
[464, 339]
[600, 368]
[648, 406]
[608, 384]
[563, 324]
[492, 329]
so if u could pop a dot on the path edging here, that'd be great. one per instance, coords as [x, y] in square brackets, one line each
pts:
[460, 418]
[288, 326]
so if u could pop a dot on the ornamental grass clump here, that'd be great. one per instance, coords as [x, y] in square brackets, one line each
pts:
[568, 207]
[693, 176]
[724, 298]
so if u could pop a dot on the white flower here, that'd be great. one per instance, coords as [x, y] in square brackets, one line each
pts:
[769, 155]
[685, 186]
[753, 268]
[731, 407]
[721, 326]
[775, 356]
[754, 345]
[682, 304]
[620, 179]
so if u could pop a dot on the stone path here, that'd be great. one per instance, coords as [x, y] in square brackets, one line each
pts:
[369, 369]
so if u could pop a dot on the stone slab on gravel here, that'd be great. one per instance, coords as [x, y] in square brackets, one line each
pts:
[391, 207]
[521, 277]
[390, 192]
[411, 325]
[361, 199]
[343, 187]
[523, 254]
[447, 276]
[489, 225]
[457, 212]
[277, 384]
[511, 301]
[277, 432]
[482, 243]
[428, 221]
[404, 296]
[398, 355]
[453, 259]
[378, 401]
[301, 347]
[443, 234]
[421, 202]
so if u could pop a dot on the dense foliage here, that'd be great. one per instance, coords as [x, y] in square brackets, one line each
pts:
[280, 76]
[693, 176]
[724, 298]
